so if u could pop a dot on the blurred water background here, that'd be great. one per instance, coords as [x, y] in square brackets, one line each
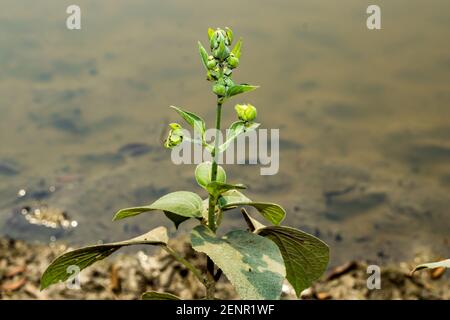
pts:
[364, 116]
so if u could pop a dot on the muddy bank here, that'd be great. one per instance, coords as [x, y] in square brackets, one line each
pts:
[126, 276]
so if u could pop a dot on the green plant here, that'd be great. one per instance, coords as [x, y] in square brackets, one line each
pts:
[256, 260]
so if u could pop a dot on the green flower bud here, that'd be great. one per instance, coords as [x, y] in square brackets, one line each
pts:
[219, 89]
[175, 136]
[233, 61]
[245, 112]
[220, 43]
[211, 64]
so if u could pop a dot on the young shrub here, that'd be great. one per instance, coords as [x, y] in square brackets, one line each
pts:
[257, 260]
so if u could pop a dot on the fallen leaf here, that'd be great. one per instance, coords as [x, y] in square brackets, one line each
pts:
[14, 285]
[15, 271]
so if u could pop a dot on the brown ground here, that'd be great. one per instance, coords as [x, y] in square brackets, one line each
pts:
[126, 276]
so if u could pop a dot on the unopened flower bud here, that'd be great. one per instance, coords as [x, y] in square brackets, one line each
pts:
[220, 43]
[211, 64]
[175, 136]
[245, 112]
[233, 61]
[219, 89]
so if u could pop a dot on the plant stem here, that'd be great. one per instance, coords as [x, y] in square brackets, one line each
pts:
[211, 282]
[212, 200]
[188, 265]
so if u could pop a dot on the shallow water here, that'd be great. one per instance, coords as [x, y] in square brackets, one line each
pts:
[363, 115]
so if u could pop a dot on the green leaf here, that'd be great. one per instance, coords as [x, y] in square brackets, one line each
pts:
[274, 213]
[203, 55]
[195, 121]
[153, 295]
[175, 218]
[433, 265]
[232, 196]
[183, 203]
[253, 224]
[216, 188]
[240, 88]
[203, 174]
[305, 256]
[253, 264]
[237, 49]
[235, 130]
[84, 257]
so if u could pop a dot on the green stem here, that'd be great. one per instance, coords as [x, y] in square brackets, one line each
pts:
[210, 278]
[215, 153]
[188, 265]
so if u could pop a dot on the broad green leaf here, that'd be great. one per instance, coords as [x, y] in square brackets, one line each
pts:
[175, 218]
[195, 121]
[253, 264]
[84, 257]
[216, 188]
[433, 265]
[235, 130]
[237, 49]
[240, 88]
[203, 174]
[183, 203]
[274, 213]
[203, 55]
[232, 196]
[305, 256]
[153, 295]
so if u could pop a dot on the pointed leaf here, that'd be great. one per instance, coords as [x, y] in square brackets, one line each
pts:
[183, 203]
[195, 121]
[153, 295]
[203, 174]
[253, 264]
[229, 34]
[210, 33]
[237, 49]
[217, 188]
[305, 256]
[273, 212]
[252, 223]
[84, 257]
[240, 88]
[237, 128]
[203, 55]
[433, 265]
